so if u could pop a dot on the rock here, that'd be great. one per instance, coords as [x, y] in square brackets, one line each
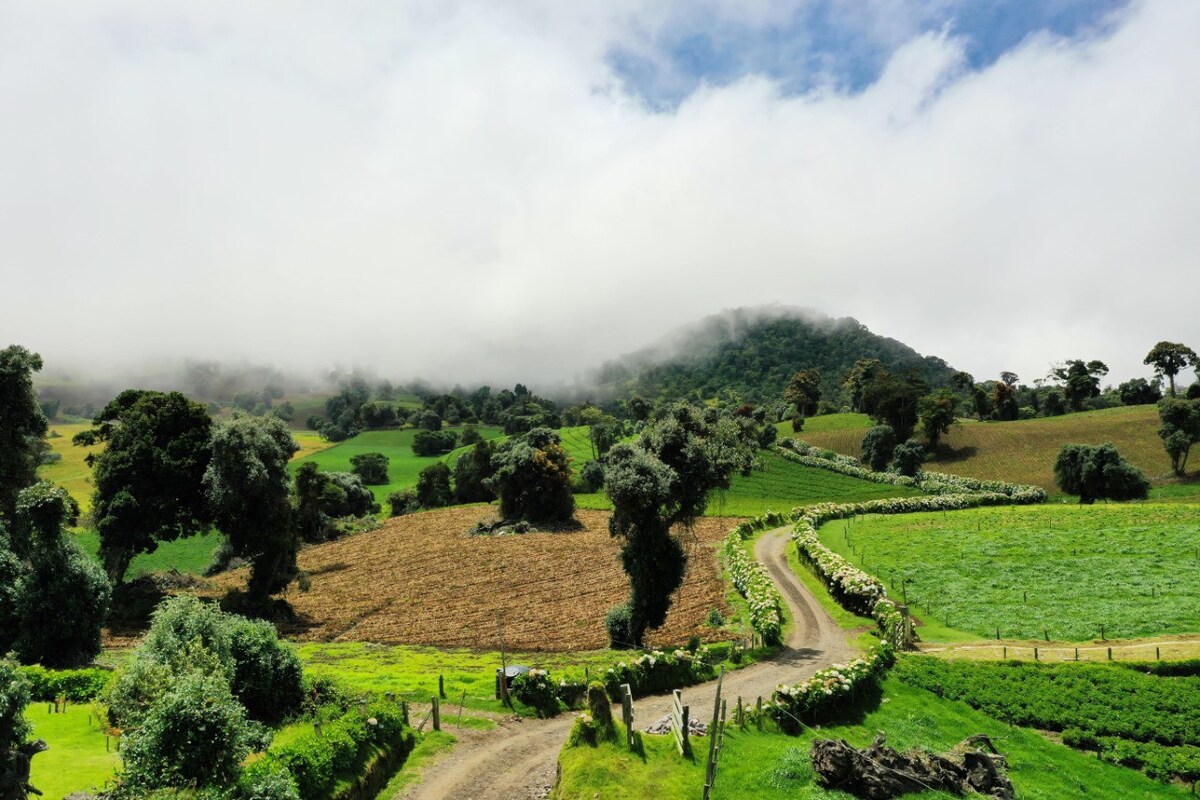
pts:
[879, 772]
[663, 727]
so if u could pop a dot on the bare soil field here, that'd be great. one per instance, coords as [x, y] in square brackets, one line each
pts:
[422, 580]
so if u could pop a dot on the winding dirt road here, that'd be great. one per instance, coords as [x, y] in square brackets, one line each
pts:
[517, 760]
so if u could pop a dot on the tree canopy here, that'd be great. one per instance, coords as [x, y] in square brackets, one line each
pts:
[1098, 472]
[247, 482]
[1180, 429]
[1168, 358]
[532, 476]
[662, 480]
[149, 476]
[1080, 380]
[22, 428]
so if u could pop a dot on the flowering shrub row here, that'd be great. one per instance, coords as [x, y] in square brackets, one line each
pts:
[751, 580]
[827, 692]
[659, 672]
[938, 483]
[536, 690]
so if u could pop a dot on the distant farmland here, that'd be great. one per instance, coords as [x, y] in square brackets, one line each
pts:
[1024, 451]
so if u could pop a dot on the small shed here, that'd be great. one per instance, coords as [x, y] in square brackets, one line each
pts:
[507, 676]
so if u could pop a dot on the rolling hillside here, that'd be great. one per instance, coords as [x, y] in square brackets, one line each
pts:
[1024, 451]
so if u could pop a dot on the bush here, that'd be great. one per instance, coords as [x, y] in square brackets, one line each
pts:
[426, 420]
[14, 696]
[1098, 473]
[471, 473]
[403, 502]
[352, 499]
[194, 735]
[591, 477]
[77, 685]
[620, 628]
[267, 780]
[908, 457]
[533, 478]
[471, 436]
[877, 447]
[433, 486]
[371, 467]
[597, 724]
[434, 443]
[62, 603]
[536, 690]
[267, 677]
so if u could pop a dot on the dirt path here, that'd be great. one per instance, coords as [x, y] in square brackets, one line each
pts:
[517, 760]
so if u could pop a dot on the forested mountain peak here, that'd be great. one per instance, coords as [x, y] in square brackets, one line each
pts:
[751, 353]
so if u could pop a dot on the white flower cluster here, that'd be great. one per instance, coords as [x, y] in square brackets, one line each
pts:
[810, 698]
[751, 580]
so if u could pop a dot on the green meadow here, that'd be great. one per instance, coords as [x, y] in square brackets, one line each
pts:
[1057, 570]
[78, 759]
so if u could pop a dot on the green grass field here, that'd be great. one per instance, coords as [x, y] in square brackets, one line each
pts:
[772, 766]
[1029, 570]
[826, 423]
[404, 466]
[77, 759]
[780, 485]
[1025, 451]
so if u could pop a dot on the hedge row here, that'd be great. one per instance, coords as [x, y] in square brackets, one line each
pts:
[935, 483]
[315, 759]
[751, 580]
[659, 672]
[77, 685]
[826, 693]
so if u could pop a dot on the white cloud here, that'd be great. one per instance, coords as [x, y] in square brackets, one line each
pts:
[468, 191]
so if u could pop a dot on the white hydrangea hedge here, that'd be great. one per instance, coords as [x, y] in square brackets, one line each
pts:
[825, 694]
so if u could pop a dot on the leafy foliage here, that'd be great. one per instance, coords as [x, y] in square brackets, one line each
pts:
[1168, 358]
[22, 427]
[1080, 380]
[878, 444]
[247, 482]
[371, 467]
[1180, 429]
[149, 475]
[434, 443]
[908, 457]
[937, 413]
[1098, 472]
[433, 486]
[471, 473]
[664, 480]
[533, 478]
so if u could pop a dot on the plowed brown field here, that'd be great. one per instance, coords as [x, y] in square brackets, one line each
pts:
[421, 580]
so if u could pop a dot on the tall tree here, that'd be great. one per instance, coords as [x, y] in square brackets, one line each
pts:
[1098, 472]
[1080, 380]
[937, 414]
[1004, 399]
[892, 400]
[804, 391]
[1180, 429]
[247, 482]
[1168, 358]
[22, 429]
[663, 480]
[856, 380]
[149, 476]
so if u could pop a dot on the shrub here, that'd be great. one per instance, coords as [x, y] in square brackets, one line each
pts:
[830, 691]
[658, 671]
[352, 498]
[433, 443]
[426, 420]
[536, 690]
[1098, 473]
[403, 502]
[433, 486]
[591, 477]
[194, 735]
[77, 685]
[471, 473]
[619, 626]
[596, 725]
[371, 467]
[533, 478]
[877, 447]
[62, 602]
[908, 457]
[14, 696]
[267, 780]
[751, 580]
[471, 436]
[267, 677]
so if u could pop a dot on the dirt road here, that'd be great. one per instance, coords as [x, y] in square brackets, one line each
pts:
[517, 760]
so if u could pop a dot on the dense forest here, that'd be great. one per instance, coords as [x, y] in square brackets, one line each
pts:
[753, 353]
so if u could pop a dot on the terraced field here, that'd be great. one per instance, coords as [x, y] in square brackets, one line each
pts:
[1024, 451]
[1029, 572]
[422, 580]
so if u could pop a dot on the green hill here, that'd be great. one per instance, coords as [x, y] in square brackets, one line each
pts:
[753, 352]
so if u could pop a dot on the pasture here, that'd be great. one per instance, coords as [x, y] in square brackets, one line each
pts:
[1024, 451]
[421, 579]
[77, 759]
[780, 485]
[403, 467]
[1032, 572]
[772, 766]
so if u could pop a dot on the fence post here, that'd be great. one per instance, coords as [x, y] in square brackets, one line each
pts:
[442, 686]
[680, 724]
[627, 713]
[437, 715]
[710, 773]
[758, 713]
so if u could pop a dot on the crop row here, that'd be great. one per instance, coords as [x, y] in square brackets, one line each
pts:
[1096, 699]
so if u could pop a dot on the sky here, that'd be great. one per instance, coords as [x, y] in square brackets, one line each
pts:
[493, 192]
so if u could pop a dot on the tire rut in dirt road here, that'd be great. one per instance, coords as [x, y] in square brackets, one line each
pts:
[518, 760]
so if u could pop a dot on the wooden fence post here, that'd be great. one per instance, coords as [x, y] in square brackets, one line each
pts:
[714, 733]
[680, 723]
[442, 686]
[627, 714]
[437, 715]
